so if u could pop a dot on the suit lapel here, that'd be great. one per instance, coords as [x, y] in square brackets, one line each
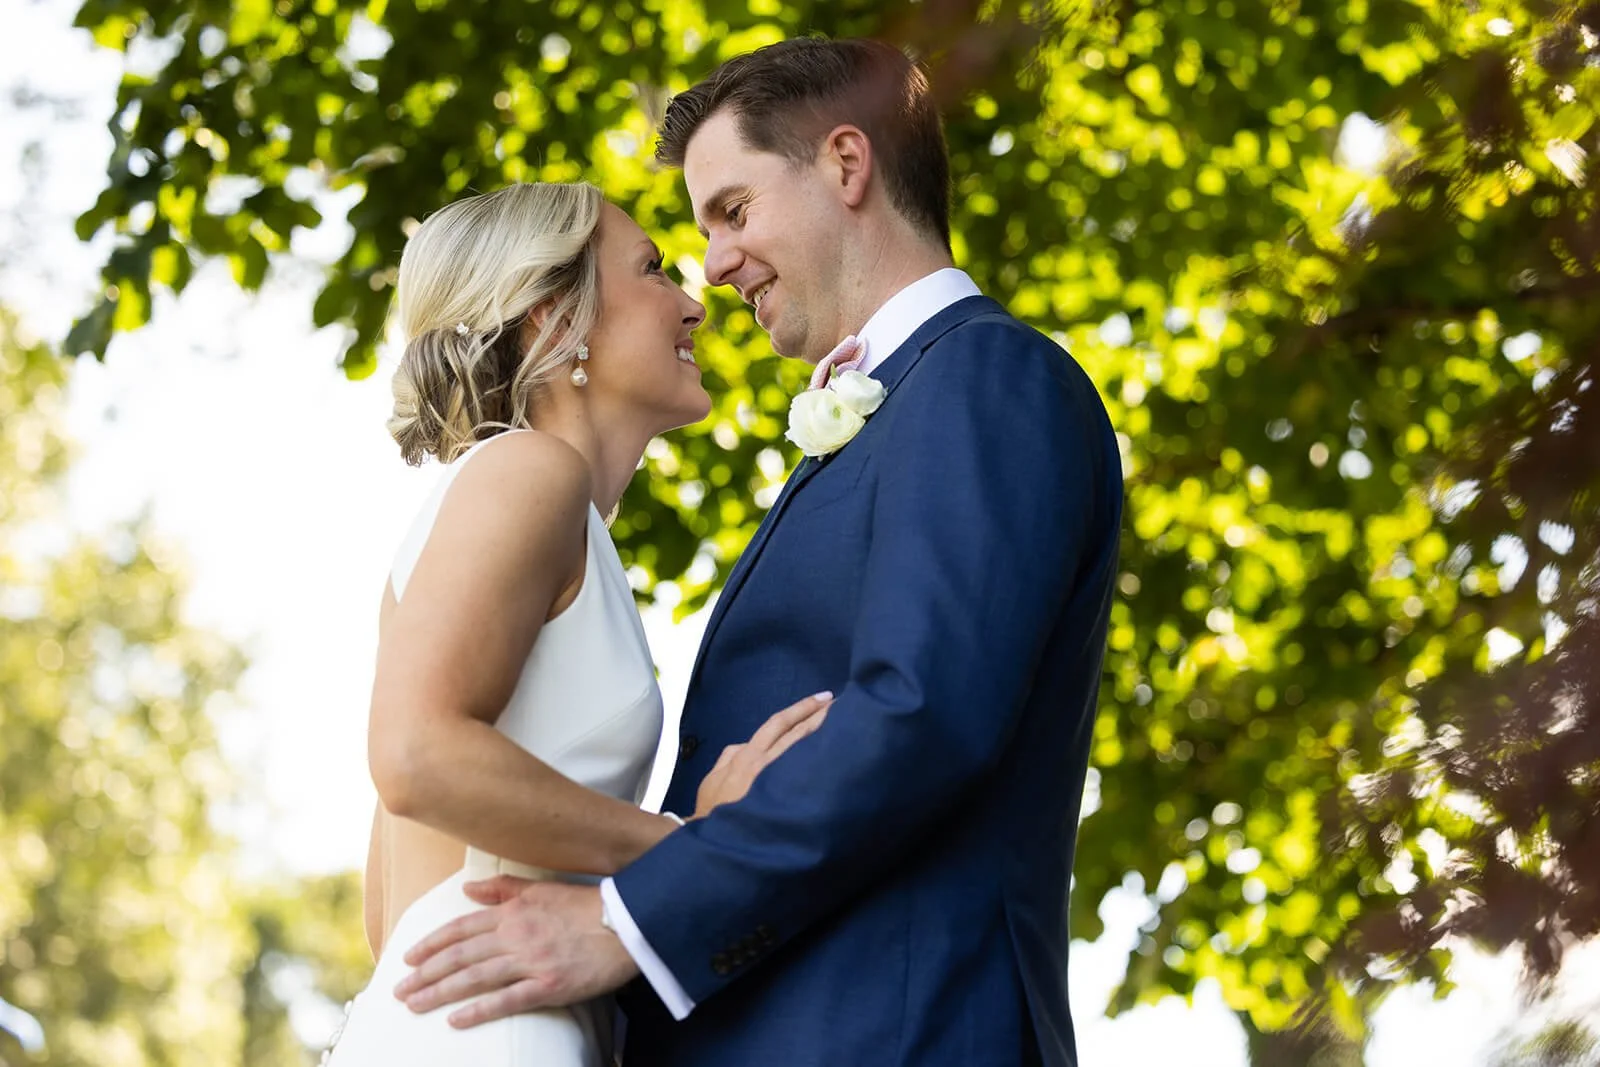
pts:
[802, 473]
[891, 372]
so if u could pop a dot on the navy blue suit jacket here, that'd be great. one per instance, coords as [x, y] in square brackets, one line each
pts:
[893, 890]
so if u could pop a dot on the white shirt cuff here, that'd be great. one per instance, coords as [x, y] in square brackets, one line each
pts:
[615, 915]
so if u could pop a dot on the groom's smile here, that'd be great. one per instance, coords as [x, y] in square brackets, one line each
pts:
[756, 300]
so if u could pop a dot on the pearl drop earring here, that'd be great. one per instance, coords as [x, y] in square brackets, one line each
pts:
[580, 377]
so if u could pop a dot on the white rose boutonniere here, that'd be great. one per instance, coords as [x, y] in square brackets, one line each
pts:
[820, 422]
[825, 418]
[861, 393]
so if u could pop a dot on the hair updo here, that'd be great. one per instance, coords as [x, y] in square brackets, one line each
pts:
[469, 277]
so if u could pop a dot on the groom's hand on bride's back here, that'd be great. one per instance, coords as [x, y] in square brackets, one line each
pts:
[535, 945]
[739, 765]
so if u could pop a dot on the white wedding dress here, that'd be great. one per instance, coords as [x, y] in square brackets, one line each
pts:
[587, 704]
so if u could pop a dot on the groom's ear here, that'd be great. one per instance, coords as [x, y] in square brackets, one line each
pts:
[847, 159]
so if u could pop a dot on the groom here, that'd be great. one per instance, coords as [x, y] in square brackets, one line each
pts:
[893, 890]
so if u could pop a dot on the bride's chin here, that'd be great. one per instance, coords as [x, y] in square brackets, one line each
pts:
[688, 414]
[701, 411]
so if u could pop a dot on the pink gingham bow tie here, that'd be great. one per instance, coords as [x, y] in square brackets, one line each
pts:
[835, 361]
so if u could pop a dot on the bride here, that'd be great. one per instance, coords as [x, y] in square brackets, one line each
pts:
[546, 347]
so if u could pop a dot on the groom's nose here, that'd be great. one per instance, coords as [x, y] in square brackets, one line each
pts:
[722, 259]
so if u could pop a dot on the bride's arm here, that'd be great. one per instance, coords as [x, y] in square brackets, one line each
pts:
[372, 890]
[506, 548]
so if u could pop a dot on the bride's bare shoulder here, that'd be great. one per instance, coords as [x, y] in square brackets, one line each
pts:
[526, 469]
[514, 517]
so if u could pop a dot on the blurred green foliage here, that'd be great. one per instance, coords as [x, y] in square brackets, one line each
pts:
[1331, 262]
[1561, 1044]
[124, 928]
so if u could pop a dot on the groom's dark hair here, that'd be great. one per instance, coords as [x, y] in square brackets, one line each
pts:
[787, 96]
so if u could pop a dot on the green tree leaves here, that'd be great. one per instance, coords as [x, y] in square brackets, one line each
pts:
[124, 929]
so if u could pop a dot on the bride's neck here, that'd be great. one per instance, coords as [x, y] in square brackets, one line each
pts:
[612, 452]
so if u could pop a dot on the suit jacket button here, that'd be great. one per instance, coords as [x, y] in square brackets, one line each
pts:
[688, 746]
[721, 964]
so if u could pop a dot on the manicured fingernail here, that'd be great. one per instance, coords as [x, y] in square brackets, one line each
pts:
[826, 694]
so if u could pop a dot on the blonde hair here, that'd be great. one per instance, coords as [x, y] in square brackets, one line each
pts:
[474, 357]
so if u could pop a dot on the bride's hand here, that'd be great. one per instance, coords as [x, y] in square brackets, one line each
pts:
[738, 765]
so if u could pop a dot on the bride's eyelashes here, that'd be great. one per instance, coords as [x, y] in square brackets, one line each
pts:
[658, 266]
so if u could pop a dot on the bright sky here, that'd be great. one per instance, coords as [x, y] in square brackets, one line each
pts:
[274, 477]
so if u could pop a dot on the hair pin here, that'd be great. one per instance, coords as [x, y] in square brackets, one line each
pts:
[461, 329]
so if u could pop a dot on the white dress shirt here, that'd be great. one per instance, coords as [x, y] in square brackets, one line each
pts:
[889, 327]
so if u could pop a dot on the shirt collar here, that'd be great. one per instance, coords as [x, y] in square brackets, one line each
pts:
[903, 313]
